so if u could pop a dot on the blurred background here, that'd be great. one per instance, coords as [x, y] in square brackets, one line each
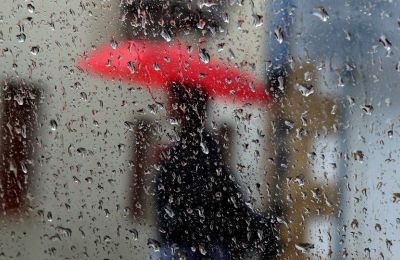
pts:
[78, 152]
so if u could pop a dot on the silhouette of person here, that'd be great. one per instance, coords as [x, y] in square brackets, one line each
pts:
[201, 211]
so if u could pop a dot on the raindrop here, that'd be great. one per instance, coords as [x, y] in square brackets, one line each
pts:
[64, 231]
[135, 234]
[169, 211]
[398, 66]
[31, 8]
[220, 47]
[81, 151]
[21, 37]
[396, 197]
[35, 50]
[289, 124]
[367, 109]
[201, 23]
[84, 96]
[278, 35]
[204, 56]
[258, 20]
[390, 133]
[76, 180]
[354, 224]
[173, 121]
[114, 44]
[131, 67]
[358, 155]
[49, 216]
[389, 244]
[281, 83]
[156, 67]
[204, 148]
[321, 13]
[378, 227]
[166, 35]
[202, 249]
[107, 239]
[129, 125]
[154, 244]
[53, 125]
[260, 234]
[305, 90]
[304, 247]
[82, 232]
[386, 43]
[299, 180]
[347, 35]
[23, 167]
[307, 76]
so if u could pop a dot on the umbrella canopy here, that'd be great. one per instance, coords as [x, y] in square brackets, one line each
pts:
[160, 64]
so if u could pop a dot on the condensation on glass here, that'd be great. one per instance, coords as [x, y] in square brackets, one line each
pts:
[202, 129]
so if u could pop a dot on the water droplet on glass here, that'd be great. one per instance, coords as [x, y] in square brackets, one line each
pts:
[156, 67]
[49, 216]
[35, 50]
[131, 67]
[354, 224]
[258, 20]
[31, 8]
[305, 90]
[347, 35]
[64, 231]
[23, 167]
[289, 124]
[129, 125]
[201, 23]
[107, 239]
[134, 233]
[21, 37]
[278, 35]
[84, 96]
[114, 44]
[321, 13]
[204, 56]
[173, 121]
[166, 35]
[389, 244]
[154, 244]
[307, 76]
[378, 227]
[368, 109]
[53, 125]
[358, 155]
[169, 211]
[396, 197]
[386, 43]
[281, 83]
[204, 148]
[202, 250]
[304, 247]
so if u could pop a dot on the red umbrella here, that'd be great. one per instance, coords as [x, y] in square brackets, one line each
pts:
[159, 64]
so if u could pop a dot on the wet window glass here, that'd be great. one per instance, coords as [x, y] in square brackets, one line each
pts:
[199, 129]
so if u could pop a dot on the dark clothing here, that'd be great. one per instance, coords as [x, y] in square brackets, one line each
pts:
[200, 204]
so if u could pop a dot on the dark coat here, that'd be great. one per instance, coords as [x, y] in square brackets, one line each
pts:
[199, 201]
